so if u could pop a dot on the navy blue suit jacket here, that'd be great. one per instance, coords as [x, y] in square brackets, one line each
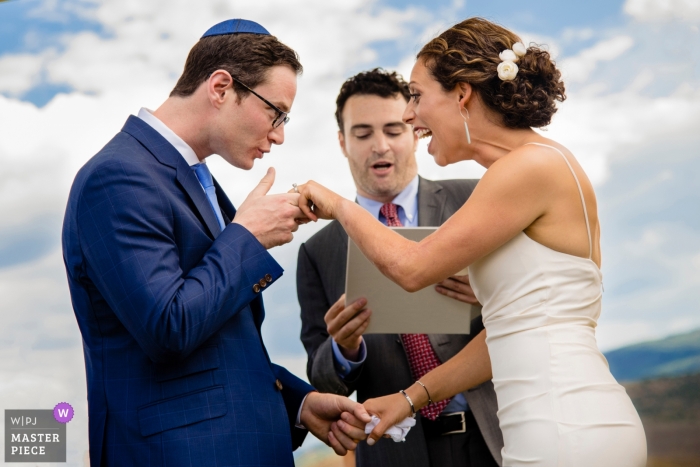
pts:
[177, 372]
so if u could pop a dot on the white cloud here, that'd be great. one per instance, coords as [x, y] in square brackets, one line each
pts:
[663, 10]
[19, 73]
[580, 67]
[597, 126]
[577, 34]
[611, 121]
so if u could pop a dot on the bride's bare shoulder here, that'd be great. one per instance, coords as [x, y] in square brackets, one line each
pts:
[530, 168]
[534, 159]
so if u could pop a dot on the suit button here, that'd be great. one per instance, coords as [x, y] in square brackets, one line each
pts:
[256, 288]
[278, 385]
[268, 278]
[262, 283]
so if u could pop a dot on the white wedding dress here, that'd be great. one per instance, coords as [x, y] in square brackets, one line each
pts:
[558, 404]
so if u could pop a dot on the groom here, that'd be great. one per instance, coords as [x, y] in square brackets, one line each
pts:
[166, 276]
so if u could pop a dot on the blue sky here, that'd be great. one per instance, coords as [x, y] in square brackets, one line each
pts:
[71, 72]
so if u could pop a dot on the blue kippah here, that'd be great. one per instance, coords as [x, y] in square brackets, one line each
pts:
[236, 26]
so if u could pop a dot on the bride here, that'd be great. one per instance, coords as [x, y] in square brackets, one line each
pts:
[530, 235]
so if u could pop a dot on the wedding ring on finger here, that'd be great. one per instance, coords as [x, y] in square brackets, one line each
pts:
[296, 188]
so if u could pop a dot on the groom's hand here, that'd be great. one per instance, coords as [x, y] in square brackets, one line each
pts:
[272, 219]
[458, 287]
[321, 415]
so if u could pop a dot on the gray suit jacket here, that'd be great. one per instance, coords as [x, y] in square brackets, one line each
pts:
[321, 281]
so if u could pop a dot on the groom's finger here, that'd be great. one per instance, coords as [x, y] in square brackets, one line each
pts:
[361, 413]
[352, 425]
[345, 440]
[335, 444]
[344, 404]
[264, 185]
[351, 419]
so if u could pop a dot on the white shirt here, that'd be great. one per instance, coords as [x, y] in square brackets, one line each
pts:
[407, 202]
[178, 143]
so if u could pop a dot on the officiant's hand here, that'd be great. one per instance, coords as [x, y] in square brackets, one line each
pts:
[347, 324]
[458, 287]
[336, 420]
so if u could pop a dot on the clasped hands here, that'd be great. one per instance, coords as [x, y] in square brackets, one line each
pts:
[340, 422]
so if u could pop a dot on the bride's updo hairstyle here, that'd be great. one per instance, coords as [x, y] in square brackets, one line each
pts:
[469, 51]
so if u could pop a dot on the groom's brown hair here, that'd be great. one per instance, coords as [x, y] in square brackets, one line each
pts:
[246, 57]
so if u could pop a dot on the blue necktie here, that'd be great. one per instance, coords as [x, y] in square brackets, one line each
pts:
[207, 182]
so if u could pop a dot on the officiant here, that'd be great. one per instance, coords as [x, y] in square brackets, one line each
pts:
[380, 149]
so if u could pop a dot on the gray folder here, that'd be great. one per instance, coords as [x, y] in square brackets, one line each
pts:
[395, 311]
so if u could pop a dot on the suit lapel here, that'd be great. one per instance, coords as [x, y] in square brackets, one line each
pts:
[447, 345]
[431, 206]
[188, 180]
[166, 154]
[227, 209]
[431, 202]
[341, 260]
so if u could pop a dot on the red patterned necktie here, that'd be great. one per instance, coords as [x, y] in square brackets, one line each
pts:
[421, 356]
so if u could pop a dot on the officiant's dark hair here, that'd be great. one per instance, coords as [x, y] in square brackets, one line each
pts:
[376, 82]
[247, 57]
[469, 51]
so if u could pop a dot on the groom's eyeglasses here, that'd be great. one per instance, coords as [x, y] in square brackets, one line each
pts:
[282, 117]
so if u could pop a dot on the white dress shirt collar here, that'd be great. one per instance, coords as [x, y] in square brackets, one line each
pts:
[183, 148]
[407, 200]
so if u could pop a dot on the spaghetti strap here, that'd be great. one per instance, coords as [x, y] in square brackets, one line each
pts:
[580, 192]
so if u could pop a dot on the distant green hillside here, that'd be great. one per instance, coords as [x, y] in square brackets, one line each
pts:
[672, 356]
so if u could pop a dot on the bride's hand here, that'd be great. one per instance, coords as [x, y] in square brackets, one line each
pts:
[390, 410]
[324, 201]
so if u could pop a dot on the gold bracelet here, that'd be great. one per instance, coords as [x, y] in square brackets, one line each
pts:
[430, 401]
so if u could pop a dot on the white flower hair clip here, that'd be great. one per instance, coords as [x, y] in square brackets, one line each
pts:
[507, 69]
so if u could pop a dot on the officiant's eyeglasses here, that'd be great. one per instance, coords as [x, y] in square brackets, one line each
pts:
[282, 117]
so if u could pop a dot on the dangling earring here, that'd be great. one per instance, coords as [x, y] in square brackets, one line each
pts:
[466, 128]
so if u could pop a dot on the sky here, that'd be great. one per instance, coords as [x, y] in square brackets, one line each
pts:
[72, 71]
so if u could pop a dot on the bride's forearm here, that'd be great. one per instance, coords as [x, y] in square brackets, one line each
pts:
[466, 370]
[395, 256]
